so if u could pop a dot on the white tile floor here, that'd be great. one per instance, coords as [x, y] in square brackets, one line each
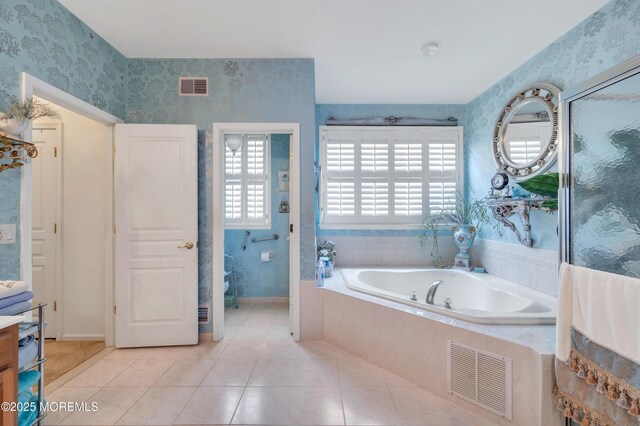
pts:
[257, 375]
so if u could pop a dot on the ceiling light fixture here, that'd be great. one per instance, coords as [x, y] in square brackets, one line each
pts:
[430, 48]
[233, 141]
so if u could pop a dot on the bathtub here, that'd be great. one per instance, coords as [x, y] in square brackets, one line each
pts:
[477, 298]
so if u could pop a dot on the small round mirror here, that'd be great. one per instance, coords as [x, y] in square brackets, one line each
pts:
[525, 136]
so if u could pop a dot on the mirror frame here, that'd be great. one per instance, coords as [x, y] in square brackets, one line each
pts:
[545, 94]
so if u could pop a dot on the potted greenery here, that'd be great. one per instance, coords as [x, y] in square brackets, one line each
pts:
[546, 185]
[465, 219]
[16, 117]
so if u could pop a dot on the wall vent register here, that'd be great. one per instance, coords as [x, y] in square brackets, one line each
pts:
[388, 176]
[193, 86]
[203, 314]
[480, 377]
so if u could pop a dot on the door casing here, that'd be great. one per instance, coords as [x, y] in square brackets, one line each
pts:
[32, 86]
[219, 129]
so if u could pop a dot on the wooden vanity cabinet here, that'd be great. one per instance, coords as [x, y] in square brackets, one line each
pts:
[9, 373]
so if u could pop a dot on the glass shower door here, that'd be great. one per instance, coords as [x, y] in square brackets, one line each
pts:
[604, 171]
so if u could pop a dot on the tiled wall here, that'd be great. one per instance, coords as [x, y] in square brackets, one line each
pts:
[47, 41]
[533, 268]
[388, 250]
[415, 348]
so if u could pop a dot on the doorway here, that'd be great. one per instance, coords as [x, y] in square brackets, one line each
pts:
[256, 248]
[42, 254]
[68, 238]
[249, 261]
[68, 227]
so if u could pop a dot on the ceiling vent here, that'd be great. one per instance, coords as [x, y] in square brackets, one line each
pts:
[479, 377]
[194, 86]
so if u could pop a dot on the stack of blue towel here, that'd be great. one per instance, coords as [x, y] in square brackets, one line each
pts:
[15, 297]
[27, 343]
[27, 399]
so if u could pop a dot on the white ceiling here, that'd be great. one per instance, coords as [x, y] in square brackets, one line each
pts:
[366, 51]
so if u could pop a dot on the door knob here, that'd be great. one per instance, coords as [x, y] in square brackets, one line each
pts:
[188, 245]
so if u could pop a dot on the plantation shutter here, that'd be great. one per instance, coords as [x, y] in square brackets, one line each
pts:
[443, 172]
[339, 183]
[374, 178]
[246, 183]
[387, 176]
[256, 178]
[233, 186]
[409, 179]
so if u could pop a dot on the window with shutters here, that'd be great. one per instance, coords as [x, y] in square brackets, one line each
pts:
[387, 177]
[247, 190]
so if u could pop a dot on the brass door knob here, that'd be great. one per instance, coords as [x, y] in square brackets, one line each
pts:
[188, 245]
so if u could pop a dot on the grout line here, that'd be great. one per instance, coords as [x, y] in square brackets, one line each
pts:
[185, 405]
[132, 405]
[344, 411]
[244, 389]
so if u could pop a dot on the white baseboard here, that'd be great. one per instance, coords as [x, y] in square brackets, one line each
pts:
[82, 337]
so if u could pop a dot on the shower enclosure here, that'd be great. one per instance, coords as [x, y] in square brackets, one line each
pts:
[600, 169]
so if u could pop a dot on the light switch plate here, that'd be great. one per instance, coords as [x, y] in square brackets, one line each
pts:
[8, 234]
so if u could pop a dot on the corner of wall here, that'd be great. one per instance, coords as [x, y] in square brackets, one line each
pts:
[311, 311]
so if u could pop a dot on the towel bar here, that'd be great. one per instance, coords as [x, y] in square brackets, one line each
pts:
[257, 240]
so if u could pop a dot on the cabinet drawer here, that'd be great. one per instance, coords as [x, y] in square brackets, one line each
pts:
[6, 348]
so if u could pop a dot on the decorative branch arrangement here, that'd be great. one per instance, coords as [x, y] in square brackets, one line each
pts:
[15, 150]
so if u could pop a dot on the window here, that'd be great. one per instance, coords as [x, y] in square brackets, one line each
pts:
[387, 177]
[246, 186]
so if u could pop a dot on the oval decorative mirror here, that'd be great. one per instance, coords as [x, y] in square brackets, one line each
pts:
[525, 138]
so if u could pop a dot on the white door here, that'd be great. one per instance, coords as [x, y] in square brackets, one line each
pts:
[46, 192]
[156, 217]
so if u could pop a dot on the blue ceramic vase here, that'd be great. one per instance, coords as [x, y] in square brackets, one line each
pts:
[463, 237]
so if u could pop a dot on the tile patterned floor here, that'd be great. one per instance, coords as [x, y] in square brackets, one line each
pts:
[257, 376]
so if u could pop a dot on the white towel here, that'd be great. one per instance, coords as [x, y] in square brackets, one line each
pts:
[9, 288]
[600, 305]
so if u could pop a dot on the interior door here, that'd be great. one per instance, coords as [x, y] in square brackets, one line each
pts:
[46, 199]
[156, 255]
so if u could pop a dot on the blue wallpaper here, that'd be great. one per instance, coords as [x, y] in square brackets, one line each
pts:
[241, 90]
[603, 40]
[44, 39]
[345, 111]
[268, 279]
[47, 41]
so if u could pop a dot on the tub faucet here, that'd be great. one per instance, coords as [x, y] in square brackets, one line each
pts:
[432, 291]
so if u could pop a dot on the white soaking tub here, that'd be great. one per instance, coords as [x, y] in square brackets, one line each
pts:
[478, 298]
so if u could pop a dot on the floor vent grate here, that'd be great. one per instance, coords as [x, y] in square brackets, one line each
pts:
[480, 377]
